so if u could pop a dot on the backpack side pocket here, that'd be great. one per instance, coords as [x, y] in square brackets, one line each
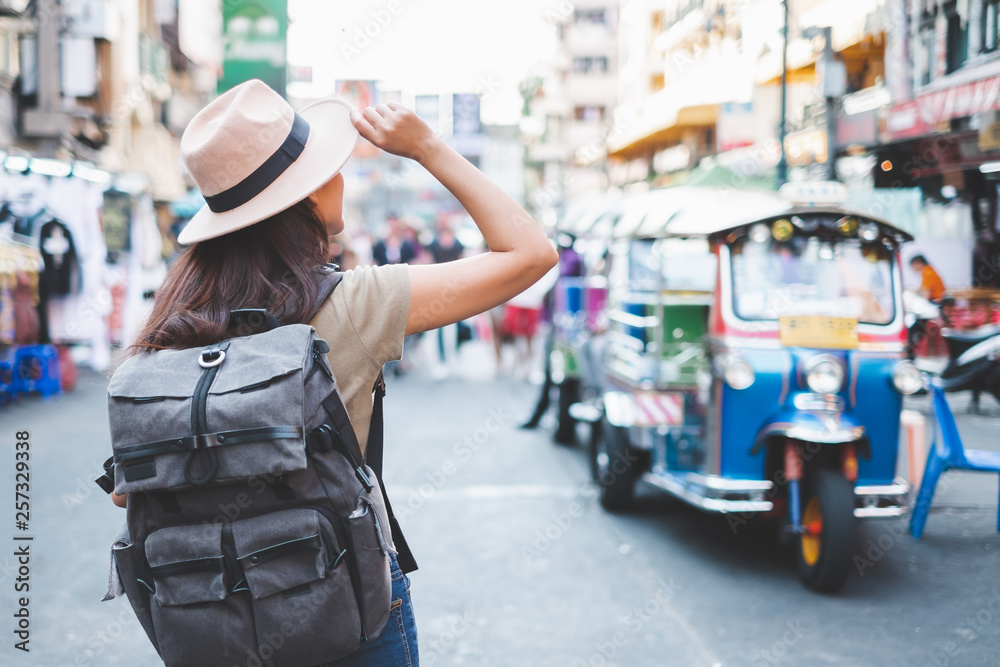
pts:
[124, 573]
[371, 558]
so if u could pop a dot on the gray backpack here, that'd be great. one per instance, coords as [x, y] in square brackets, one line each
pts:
[257, 534]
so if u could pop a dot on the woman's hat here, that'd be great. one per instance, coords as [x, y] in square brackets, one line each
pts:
[252, 156]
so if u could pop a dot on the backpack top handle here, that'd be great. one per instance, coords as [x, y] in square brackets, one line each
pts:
[247, 321]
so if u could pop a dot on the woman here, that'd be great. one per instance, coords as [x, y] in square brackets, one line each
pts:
[274, 195]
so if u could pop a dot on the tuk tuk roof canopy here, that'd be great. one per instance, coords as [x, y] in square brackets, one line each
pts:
[799, 215]
[698, 212]
[582, 213]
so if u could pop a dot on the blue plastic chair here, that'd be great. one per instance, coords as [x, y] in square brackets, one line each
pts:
[947, 453]
[35, 368]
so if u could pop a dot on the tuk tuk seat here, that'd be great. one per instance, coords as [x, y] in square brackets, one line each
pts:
[947, 453]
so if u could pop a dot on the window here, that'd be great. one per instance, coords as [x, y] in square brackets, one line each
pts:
[592, 16]
[958, 43]
[991, 25]
[925, 59]
[593, 114]
[590, 65]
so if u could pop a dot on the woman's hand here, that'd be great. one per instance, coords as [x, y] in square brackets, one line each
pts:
[397, 130]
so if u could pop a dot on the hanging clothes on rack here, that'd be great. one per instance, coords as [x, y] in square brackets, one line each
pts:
[19, 268]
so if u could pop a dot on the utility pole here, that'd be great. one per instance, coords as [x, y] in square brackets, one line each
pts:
[830, 95]
[48, 121]
[782, 170]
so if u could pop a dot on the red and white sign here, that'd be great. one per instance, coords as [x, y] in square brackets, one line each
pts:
[656, 409]
[921, 116]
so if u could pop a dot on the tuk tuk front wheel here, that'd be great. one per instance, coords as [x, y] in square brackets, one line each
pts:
[616, 466]
[826, 546]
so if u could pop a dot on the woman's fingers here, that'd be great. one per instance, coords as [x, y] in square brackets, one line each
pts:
[383, 110]
[363, 126]
[372, 116]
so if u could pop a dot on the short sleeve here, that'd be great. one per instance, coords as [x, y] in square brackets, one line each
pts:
[377, 302]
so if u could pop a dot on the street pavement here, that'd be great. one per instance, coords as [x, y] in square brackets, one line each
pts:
[519, 565]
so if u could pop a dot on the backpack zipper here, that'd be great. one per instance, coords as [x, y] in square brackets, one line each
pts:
[317, 363]
[232, 565]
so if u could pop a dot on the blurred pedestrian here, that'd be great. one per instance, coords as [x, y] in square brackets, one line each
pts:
[263, 243]
[520, 321]
[445, 248]
[570, 266]
[396, 247]
[931, 285]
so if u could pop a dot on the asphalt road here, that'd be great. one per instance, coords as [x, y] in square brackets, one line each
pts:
[519, 565]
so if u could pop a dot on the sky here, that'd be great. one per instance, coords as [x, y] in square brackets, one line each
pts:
[424, 46]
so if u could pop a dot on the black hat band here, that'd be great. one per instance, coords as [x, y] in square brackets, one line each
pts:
[265, 174]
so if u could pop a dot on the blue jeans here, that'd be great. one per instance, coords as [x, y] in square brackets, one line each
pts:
[397, 645]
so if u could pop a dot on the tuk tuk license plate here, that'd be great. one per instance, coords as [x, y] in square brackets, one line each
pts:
[823, 332]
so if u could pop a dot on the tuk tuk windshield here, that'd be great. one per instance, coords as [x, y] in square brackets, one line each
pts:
[685, 265]
[812, 276]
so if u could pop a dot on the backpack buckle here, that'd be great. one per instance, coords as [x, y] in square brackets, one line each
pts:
[210, 358]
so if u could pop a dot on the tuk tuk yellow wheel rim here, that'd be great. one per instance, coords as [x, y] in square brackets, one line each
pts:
[812, 530]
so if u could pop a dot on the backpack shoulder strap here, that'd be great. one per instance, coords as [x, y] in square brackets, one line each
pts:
[407, 563]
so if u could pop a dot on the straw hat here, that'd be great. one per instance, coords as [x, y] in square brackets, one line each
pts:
[252, 156]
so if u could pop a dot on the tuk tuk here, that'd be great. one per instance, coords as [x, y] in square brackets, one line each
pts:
[755, 365]
[579, 298]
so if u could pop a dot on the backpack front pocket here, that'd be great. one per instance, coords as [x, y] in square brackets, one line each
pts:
[195, 616]
[295, 566]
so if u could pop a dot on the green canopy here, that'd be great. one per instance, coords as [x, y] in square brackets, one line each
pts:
[718, 176]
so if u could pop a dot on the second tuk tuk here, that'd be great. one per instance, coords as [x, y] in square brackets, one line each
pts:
[755, 365]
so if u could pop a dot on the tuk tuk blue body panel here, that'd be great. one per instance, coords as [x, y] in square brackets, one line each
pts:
[745, 412]
[876, 404]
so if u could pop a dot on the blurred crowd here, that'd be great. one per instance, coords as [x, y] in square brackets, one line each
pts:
[510, 329]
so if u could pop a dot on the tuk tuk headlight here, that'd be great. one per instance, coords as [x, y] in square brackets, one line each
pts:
[824, 374]
[739, 374]
[906, 378]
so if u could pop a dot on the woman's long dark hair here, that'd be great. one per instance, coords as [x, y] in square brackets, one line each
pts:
[273, 264]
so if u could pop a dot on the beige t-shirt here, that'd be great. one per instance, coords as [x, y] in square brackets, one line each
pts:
[364, 321]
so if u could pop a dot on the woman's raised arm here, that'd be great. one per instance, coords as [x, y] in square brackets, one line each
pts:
[519, 253]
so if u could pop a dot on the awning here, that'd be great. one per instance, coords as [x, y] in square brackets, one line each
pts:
[648, 138]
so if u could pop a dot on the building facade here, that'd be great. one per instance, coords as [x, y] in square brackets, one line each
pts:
[569, 105]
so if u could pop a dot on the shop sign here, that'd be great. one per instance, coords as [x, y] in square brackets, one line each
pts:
[923, 115]
[359, 94]
[859, 129]
[254, 43]
[734, 127]
[989, 137]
